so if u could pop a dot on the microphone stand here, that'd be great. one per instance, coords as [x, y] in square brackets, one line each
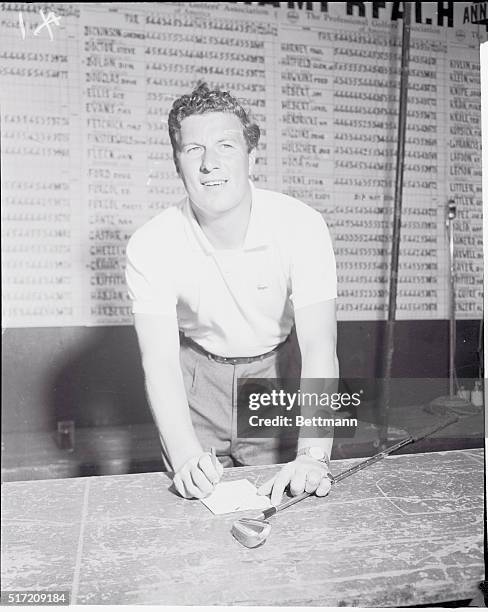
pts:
[443, 404]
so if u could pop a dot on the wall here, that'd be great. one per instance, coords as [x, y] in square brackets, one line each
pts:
[86, 159]
[94, 376]
[86, 155]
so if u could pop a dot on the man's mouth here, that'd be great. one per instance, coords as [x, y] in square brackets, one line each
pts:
[214, 182]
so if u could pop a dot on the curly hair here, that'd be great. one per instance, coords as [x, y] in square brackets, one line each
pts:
[204, 100]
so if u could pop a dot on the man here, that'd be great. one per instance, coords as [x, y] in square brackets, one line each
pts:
[217, 283]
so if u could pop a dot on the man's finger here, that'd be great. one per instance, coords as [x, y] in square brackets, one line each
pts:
[179, 486]
[280, 484]
[205, 463]
[190, 488]
[297, 482]
[324, 487]
[201, 481]
[313, 480]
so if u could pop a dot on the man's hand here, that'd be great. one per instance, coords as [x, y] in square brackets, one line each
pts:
[302, 474]
[198, 476]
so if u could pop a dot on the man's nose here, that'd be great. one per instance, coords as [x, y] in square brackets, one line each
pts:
[210, 161]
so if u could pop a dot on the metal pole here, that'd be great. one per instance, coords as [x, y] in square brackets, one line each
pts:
[451, 215]
[397, 215]
[451, 402]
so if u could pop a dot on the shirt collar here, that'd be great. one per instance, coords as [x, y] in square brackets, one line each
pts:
[256, 236]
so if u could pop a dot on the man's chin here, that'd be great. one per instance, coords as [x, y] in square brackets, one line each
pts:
[213, 202]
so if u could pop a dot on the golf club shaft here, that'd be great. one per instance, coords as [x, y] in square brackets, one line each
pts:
[363, 464]
[294, 500]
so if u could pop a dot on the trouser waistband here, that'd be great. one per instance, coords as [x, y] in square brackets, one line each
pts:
[231, 360]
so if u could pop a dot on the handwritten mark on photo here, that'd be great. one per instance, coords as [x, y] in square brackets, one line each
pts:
[51, 18]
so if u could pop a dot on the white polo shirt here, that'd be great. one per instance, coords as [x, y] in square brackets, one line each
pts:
[233, 302]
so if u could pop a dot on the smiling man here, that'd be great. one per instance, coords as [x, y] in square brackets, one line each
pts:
[218, 281]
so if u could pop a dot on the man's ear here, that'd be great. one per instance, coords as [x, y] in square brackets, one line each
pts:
[252, 161]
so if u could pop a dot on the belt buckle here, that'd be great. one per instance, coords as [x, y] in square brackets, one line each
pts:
[219, 359]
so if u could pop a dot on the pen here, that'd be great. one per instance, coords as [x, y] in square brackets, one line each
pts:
[213, 456]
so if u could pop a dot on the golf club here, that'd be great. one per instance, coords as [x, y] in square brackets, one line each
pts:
[253, 532]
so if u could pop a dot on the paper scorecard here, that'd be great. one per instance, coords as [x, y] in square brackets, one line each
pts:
[234, 496]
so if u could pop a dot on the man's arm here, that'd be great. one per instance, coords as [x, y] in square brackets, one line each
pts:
[316, 328]
[158, 337]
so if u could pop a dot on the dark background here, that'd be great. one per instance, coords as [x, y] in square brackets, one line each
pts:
[93, 375]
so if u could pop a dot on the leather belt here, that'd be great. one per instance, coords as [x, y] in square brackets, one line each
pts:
[231, 360]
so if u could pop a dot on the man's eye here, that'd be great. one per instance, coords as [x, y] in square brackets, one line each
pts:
[193, 150]
[227, 145]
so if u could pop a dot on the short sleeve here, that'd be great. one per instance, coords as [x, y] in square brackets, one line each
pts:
[150, 287]
[313, 265]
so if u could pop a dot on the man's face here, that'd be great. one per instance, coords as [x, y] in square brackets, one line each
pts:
[214, 163]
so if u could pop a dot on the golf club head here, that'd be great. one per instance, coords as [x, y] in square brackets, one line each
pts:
[251, 532]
